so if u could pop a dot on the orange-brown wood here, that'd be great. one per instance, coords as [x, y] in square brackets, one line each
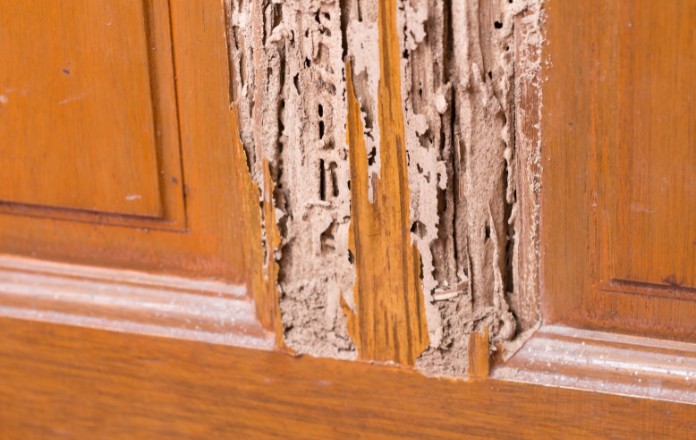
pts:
[389, 323]
[479, 354]
[59, 380]
[271, 295]
[197, 235]
[261, 266]
[78, 129]
[646, 150]
[619, 182]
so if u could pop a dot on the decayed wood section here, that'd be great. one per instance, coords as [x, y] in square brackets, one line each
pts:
[261, 271]
[389, 323]
[528, 120]
[67, 381]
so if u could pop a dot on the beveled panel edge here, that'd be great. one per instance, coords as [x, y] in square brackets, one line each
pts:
[130, 302]
[560, 356]
[166, 140]
[631, 287]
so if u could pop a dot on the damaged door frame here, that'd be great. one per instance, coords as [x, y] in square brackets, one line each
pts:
[144, 366]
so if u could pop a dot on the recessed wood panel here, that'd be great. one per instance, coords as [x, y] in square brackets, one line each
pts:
[200, 227]
[618, 122]
[646, 156]
[76, 105]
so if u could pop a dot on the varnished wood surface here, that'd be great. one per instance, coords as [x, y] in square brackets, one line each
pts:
[77, 125]
[619, 167]
[389, 323]
[200, 228]
[607, 363]
[129, 301]
[646, 147]
[60, 381]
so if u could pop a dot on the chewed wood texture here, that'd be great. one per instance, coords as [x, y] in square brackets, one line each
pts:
[389, 323]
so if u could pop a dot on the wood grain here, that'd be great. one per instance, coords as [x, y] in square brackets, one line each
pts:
[646, 150]
[605, 362]
[527, 145]
[130, 301]
[78, 128]
[479, 354]
[618, 245]
[203, 243]
[389, 323]
[261, 266]
[66, 381]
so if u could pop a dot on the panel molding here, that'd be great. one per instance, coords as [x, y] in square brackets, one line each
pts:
[561, 356]
[205, 243]
[130, 302]
[630, 287]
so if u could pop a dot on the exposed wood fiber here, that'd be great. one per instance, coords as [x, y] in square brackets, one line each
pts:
[388, 322]
[262, 270]
[426, 181]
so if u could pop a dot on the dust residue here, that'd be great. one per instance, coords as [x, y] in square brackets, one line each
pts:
[469, 247]
[287, 72]
[458, 87]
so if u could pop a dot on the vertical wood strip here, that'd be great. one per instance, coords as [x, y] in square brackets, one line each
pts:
[528, 120]
[261, 273]
[479, 354]
[389, 323]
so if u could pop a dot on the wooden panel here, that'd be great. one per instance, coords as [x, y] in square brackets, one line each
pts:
[78, 126]
[646, 149]
[205, 242]
[66, 381]
[619, 167]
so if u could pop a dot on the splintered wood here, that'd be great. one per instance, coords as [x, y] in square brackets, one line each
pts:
[262, 271]
[380, 138]
[389, 323]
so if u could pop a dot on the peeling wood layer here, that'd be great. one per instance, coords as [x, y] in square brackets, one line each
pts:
[262, 270]
[394, 182]
[387, 320]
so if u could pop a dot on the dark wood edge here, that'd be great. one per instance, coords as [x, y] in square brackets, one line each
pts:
[129, 301]
[669, 291]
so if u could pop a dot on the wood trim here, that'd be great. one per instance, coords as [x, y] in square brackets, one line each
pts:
[608, 363]
[131, 302]
[62, 380]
